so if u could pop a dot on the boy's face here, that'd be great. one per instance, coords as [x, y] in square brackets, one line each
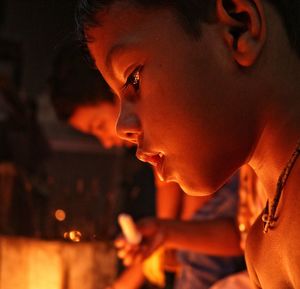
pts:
[181, 99]
[98, 120]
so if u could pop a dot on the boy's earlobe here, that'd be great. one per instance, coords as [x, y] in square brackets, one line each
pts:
[244, 28]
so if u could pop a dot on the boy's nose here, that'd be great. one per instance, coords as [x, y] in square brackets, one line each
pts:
[129, 127]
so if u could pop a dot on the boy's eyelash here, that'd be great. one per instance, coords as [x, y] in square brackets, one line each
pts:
[134, 79]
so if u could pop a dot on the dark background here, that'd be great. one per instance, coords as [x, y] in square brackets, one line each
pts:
[78, 176]
[89, 183]
[39, 26]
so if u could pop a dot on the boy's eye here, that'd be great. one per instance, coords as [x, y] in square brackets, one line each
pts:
[134, 79]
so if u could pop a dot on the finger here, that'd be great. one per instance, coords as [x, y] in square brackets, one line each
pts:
[121, 254]
[120, 242]
[127, 261]
[128, 250]
[133, 259]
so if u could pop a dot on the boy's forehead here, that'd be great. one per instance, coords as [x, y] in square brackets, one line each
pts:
[122, 26]
[116, 21]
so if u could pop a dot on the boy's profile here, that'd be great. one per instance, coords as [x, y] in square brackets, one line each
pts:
[205, 87]
[81, 98]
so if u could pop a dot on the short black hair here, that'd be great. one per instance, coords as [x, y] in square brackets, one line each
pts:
[190, 12]
[74, 82]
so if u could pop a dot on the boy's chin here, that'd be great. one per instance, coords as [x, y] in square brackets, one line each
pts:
[195, 191]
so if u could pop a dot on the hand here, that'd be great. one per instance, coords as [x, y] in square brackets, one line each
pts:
[154, 235]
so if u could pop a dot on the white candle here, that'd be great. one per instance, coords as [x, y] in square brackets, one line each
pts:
[132, 235]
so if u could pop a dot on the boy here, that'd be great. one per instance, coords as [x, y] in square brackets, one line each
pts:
[81, 98]
[205, 87]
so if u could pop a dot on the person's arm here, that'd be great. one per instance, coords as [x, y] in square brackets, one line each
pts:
[215, 237]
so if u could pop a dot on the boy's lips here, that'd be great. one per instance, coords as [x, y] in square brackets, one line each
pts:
[149, 157]
[155, 159]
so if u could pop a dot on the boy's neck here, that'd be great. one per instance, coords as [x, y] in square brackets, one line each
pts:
[279, 139]
[280, 129]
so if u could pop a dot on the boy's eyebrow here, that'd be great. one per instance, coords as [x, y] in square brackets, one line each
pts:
[117, 49]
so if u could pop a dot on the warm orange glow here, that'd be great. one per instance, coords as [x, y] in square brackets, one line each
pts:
[153, 268]
[73, 235]
[242, 227]
[60, 215]
[51, 264]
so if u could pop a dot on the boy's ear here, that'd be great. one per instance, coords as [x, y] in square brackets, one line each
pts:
[244, 28]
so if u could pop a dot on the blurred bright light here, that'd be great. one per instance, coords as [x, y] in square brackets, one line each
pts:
[60, 215]
[73, 235]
